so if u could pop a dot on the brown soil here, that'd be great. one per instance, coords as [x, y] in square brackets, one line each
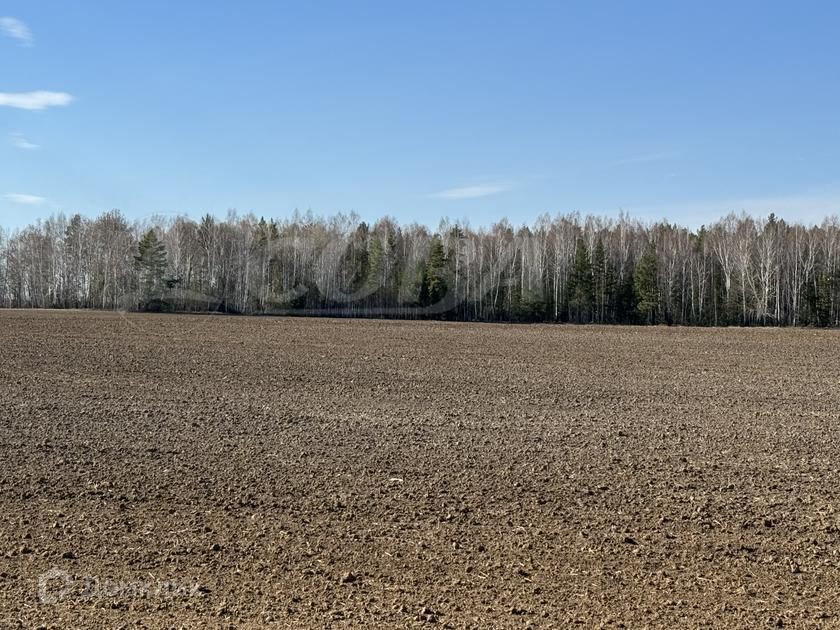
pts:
[337, 473]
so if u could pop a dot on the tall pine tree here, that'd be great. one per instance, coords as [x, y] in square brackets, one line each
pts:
[150, 263]
[434, 280]
[646, 286]
[581, 285]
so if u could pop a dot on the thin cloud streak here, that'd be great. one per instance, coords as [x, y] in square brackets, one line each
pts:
[14, 28]
[472, 192]
[19, 141]
[35, 101]
[24, 199]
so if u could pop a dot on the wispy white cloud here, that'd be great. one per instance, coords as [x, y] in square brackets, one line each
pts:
[646, 158]
[21, 142]
[22, 198]
[35, 101]
[472, 192]
[14, 28]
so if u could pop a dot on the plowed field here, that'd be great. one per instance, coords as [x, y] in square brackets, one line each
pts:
[198, 471]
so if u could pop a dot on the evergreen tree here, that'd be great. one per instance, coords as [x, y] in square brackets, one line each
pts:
[375, 263]
[581, 283]
[645, 285]
[434, 280]
[150, 263]
[359, 259]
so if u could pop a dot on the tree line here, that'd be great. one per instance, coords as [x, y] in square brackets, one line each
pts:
[739, 270]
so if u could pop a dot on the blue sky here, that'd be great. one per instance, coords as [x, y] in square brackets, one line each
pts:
[471, 110]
